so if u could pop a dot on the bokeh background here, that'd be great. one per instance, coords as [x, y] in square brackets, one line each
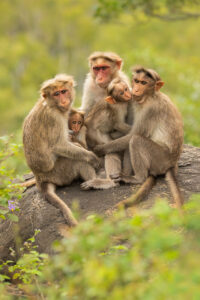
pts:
[41, 38]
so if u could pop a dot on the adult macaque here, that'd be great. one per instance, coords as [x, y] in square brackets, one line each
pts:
[104, 67]
[52, 157]
[109, 114]
[156, 139]
[76, 125]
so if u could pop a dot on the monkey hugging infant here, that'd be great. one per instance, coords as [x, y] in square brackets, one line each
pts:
[136, 130]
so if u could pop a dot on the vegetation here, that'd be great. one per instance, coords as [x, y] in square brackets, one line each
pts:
[153, 255]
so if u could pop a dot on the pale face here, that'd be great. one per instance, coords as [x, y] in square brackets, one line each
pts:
[63, 97]
[122, 92]
[76, 122]
[141, 84]
[102, 70]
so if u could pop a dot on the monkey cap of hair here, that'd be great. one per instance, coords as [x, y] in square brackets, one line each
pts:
[112, 84]
[108, 55]
[59, 78]
[149, 72]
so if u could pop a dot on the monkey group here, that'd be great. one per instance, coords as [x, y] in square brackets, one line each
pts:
[133, 131]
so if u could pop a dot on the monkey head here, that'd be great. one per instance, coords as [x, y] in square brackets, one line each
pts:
[104, 66]
[59, 92]
[118, 91]
[145, 82]
[76, 120]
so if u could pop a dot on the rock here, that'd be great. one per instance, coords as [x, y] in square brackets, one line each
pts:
[36, 213]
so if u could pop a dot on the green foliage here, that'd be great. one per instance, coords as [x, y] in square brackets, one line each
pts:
[152, 255]
[166, 9]
[30, 263]
[58, 36]
[10, 192]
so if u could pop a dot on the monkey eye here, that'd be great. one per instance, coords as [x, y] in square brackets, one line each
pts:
[57, 93]
[79, 122]
[143, 82]
[136, 81]
[126, 89]
[73, 122]
[104, 68]
[63, 91]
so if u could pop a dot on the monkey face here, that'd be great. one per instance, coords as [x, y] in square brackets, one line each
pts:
[122, 92]
[141, 84]
[102, 71]
[75, 122]
[62, 98]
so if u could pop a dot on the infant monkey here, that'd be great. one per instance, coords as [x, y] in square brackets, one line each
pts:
[77, 127]
[109, 114]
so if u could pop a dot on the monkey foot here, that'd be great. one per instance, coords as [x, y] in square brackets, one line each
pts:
[98, 183]
[116, 177]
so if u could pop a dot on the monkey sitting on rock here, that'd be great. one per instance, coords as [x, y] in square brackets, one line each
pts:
[154, 144]
[52, 157]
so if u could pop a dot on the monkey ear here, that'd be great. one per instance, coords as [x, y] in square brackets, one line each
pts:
[110, 100]
[119, 63]
[158, 85]
[44, 95]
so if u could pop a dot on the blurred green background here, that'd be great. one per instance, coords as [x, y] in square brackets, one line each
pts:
[41, 38]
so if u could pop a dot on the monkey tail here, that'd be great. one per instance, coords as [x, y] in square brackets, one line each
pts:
[140, 194]
[48, 191]
[174, 188]
[28, 183]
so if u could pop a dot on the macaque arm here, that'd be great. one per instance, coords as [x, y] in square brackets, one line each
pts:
[122, 127]
[82, 136]
[116, 135]
[113, 146]
[72, 151]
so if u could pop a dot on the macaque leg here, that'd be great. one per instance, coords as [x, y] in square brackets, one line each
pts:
[87, 173]
[113, 165]
[127, 169]
[147, 158]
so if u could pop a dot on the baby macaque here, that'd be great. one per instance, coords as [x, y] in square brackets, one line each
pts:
[77, 127]
[109, 114]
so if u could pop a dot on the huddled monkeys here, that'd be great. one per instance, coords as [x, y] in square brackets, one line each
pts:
[55, 136]
[52, 157]
[155, 142]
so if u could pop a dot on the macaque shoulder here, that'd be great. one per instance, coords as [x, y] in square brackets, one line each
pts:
[91, 86]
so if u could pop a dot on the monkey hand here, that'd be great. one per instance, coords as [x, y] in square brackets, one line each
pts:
[94, 161]
[99, 150]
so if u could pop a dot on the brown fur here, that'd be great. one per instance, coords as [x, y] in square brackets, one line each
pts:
[109, 114]
[155, 142]
[94, 91]
[53, 159]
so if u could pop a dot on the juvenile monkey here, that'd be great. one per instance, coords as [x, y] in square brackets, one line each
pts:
[156, 139]
[52, 157]
[109, 114]
[76, 125]
[104, 67]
